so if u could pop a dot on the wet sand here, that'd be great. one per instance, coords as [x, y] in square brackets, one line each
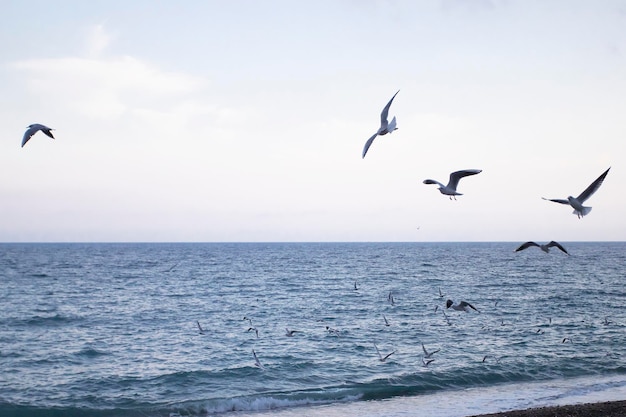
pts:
[604, 409]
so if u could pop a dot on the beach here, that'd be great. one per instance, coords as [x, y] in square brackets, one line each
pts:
[601, 409]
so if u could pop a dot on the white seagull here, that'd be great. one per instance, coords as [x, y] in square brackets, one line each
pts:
[450, 189]
[577, 203]
[34, 128]
[545, 248]
[428, 354]
[461, 306]
[385, 126]
[381, 357]
[290, 333]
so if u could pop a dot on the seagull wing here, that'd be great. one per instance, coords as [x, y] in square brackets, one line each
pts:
[385, 113]
[378, 351]
[466, 304]
[385, 358]
[32, 129]
[556, 200]
[47, 131]
[433, 182]
[593, 187]
[368, 144]
[526, 245]
[256, 360]
[425, 351]
[457, 175]
[558, 245]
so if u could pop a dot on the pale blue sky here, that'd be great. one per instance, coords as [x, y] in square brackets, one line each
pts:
[245, 120]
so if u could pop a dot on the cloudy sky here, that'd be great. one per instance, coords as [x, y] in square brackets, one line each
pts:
[245, 120]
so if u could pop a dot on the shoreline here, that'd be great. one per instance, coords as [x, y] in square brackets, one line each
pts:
[596, 409]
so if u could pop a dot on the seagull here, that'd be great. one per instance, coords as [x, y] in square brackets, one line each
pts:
[255, 331]
[450, 189]
[330, 330]
[385, 126]
[577, 203]
[356, 288]
[491, 356]
[429, 354]
[381, 357]
[440, 293]
[386, 321]
[257, 363]
[200, 329]
[461, 306]
[290, 333]
[545, 248]
[32, 129]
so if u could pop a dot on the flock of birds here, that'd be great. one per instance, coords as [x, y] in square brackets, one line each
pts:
[450, 189]
[427, 356]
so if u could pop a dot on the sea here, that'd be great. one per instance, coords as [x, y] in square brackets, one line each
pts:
[200, 329]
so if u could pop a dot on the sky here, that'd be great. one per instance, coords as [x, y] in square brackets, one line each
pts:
[244, 121]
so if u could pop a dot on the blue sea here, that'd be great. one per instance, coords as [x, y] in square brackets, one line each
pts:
[112, 330]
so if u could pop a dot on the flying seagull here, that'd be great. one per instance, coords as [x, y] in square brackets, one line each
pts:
[380, 356]
[461, 306]
[450, 189]
[290, 333]
[428, 354]
[257, 363]
[385, 126]
[577, 203]
[34, 128]
[545, 248]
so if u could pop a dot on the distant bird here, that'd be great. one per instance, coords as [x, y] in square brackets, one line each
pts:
[450, 189]
[440, 293]
[545, 248]
[491, 356]
[34, 128]
[257, 363]
[381, 357]
[566, 339]
[391, 299]
[427, 362]
[386, 321]
[577, 203]
[356, 288]
[385, 126]
[290, 333]
[461, 306]
[428, 354]
[254, 329]
[200, 329]
[330, 330]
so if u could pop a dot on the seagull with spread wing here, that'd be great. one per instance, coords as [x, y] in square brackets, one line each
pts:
[455, 177]
[545, 248]
[577, 203]
[34, 128]
[385, 126]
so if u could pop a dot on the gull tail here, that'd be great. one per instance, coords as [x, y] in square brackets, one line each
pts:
[392, 125]
[584, 212]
